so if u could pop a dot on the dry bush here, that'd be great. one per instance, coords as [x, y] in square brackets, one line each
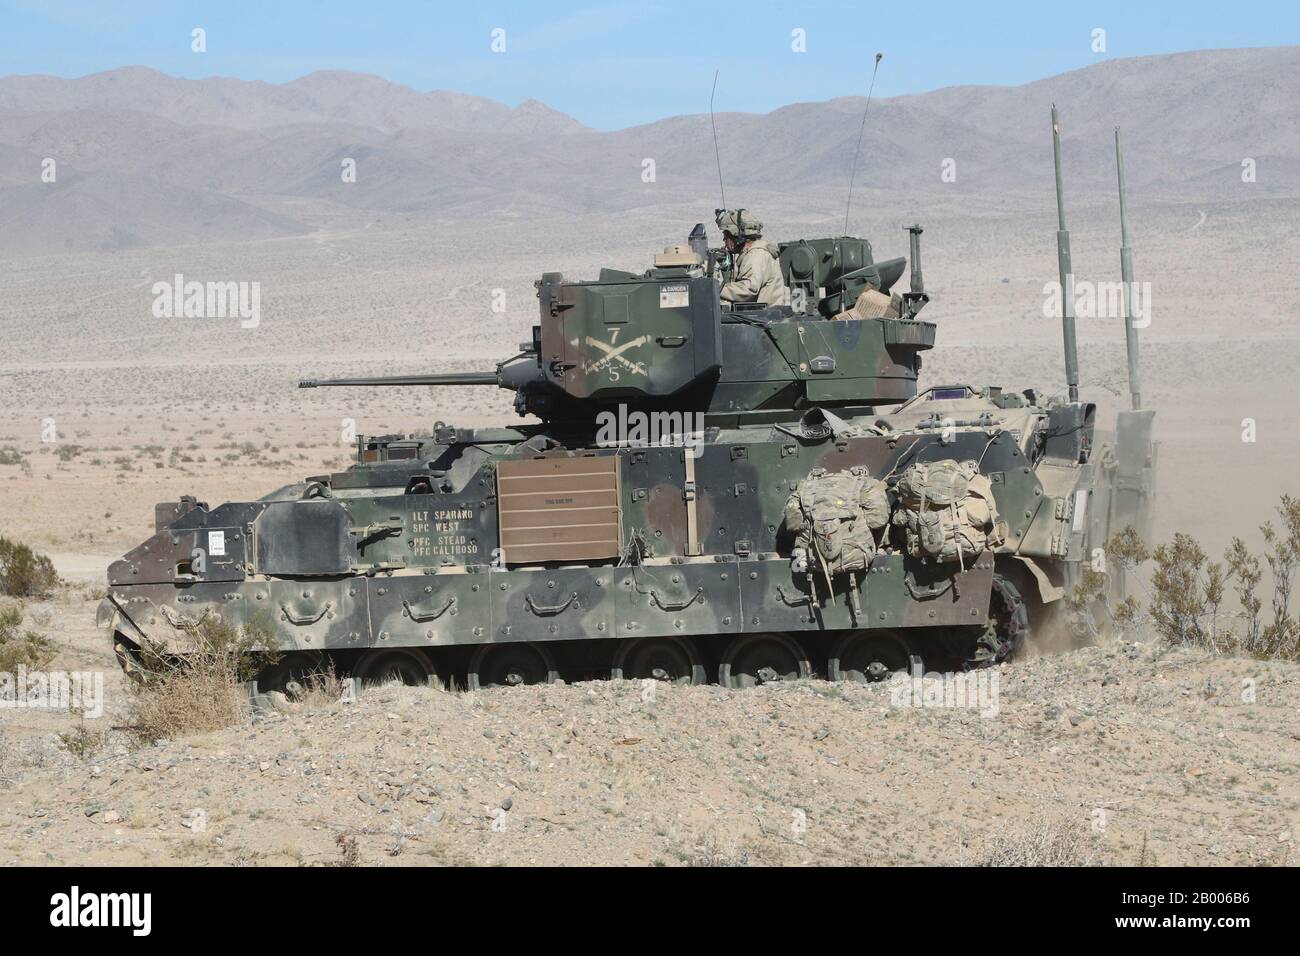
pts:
[1281, 638]
[202, 690]
[193, 699]
[29, 649]
[1052, 841]
[24, 573]
[1188, 590]
[713, 850]
[321, 688]
[1186, 594]
[348, 848]
[1244, 571]
[1094, 602]
[82, 742]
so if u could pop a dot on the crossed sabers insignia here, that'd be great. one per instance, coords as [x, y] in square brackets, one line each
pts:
[613, 354]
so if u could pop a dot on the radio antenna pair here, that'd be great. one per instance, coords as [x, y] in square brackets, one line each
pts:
[848, 206]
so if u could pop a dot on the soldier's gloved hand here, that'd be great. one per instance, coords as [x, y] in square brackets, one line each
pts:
[799, 561]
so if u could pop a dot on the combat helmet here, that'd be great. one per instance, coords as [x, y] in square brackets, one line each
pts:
[741, 223]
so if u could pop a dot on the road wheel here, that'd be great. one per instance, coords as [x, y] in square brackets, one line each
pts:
[290, 674]
[864, 658]
[670, 659]
[511, 665]
[393, 666]
[754, 659]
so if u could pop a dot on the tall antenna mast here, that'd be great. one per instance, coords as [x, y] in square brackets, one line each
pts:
[853, 172]
[717, 155]
[1126, 274]
[1066, 269]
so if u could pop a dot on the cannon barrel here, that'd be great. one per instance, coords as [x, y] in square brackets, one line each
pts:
[446, 378]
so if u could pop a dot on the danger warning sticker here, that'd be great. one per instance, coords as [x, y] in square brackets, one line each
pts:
[674, 296]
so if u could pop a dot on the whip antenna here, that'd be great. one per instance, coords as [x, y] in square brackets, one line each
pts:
[853, 172]
[717, 155]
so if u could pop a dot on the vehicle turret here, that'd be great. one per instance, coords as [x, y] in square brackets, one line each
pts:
[662, 339]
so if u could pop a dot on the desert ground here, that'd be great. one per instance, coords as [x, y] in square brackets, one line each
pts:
[1110, 755]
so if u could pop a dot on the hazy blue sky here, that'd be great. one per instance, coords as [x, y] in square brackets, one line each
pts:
[614, 64]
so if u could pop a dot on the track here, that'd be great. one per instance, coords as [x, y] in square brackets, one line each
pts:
[736, 662]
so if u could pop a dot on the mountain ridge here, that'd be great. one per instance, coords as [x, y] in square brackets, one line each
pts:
[277, 155]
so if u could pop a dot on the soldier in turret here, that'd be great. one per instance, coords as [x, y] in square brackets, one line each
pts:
[756, 276]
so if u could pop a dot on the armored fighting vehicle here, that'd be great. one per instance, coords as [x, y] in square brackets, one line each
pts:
[700, 491]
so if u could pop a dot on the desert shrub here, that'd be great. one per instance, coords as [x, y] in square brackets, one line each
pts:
[1097, 592]
[713, 850]
[1048, 842]
[201, 690]
[1127, 550]
[1187, 591]
[9, 455]
[67, 452]
[321, 688]
[349, 851]
[1281, 637]
[11, 620]
[24, 573]
[18, 647]
[1244, 571]
[82, 742]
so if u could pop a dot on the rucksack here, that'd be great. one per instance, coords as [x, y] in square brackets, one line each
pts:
[835, 517]
[947, 511]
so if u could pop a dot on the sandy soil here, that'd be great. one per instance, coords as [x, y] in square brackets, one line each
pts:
[1125, 754]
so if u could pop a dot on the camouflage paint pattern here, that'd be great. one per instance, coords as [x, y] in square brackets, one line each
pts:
[402, 549]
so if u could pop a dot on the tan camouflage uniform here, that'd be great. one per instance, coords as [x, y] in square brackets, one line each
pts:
[757, 275]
